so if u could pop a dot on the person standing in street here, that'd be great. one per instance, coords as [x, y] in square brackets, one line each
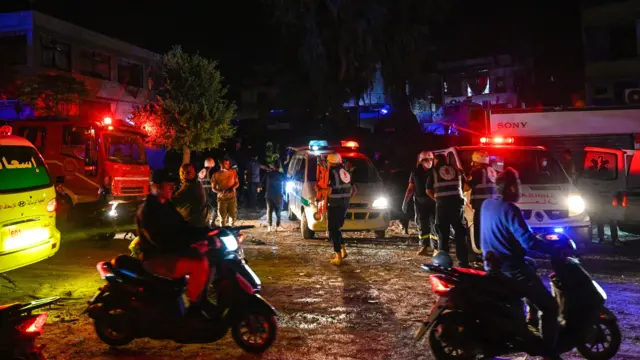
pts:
[273, 185]
[252, 179]
[205, 176]
[445, 187]
[340, 193]
[482, 182]
[424, 206]
[225, 183]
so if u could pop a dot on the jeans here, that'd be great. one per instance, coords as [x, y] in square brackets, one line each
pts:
[227, 208]
[175, 267]
[450, 213]
[252, 195]
[425, 220]
[335, 221]
[274, 204]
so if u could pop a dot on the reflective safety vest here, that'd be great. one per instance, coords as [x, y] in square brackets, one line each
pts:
[204, 176]
[340, 184]
[484, 180]
[447, 182]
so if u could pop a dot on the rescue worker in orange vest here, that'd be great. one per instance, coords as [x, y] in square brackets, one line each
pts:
[340, 194]
[445, 186]
[425, 207]
[482, 182]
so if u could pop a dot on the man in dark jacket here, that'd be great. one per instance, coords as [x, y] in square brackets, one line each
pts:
[273, 185]
[170, 246]
[190, 199]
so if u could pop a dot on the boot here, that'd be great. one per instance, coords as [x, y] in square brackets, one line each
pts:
[422, 252]
[343, 252]
[337, 259]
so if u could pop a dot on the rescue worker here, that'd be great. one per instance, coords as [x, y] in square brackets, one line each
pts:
[424, 206]
[340, 194]
[482, 182]
[273, 184]
[204, 176]
[507, 237]
[445, 187]
[225, 184]
[190, 200]
[169, 245]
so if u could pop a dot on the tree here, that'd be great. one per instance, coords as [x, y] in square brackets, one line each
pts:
[190, 111]
[52, 94]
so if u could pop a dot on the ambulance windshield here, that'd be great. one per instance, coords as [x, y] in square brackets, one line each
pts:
[124, 148]
[361, 169]
[536, 167]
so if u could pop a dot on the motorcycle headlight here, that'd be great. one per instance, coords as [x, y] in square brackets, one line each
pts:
[600, 290]
[229, 242]
[576, 205]
[380, 203]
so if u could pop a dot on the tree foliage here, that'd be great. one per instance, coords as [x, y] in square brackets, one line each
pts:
[190, 111]
[52, 94]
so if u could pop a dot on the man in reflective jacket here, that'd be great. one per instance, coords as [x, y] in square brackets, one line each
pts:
[338, 203]
[425, 207]
[482, 182]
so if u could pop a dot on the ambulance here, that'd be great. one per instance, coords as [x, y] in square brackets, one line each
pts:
[550, 202]
[28, 232]
[369, 208]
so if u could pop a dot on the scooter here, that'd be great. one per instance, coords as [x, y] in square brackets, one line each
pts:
[19, 329]
[478, 313]
[136, 304]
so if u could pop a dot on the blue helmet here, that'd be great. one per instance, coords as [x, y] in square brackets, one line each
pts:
[442, 259]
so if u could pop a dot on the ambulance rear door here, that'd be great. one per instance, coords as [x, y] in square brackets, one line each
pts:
[602, 182]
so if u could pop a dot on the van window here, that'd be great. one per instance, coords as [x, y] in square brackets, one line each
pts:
[126, 149]
[22, 169]
[600, 166]
[35, 134]
[362, 170]
[299, 170]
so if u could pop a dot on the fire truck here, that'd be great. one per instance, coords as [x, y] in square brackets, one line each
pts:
[104, 165]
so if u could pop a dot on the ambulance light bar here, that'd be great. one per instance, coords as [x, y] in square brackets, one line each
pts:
[5, 130]
[497, 140]
[315, 145]
[350, 144]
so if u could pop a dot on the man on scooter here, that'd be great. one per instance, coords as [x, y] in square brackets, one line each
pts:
[505, 233]
[170, 246]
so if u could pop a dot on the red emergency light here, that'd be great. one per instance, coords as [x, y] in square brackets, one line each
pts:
[497, 140]
[350, 144]
[5, 130]
[107, 121]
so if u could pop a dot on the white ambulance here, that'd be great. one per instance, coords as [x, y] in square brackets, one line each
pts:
[368, 209]
[550, 202]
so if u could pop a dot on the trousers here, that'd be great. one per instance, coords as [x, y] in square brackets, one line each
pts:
[335, 221]
[425, 220]
[274, 204]
[450, 214]
[228, 208]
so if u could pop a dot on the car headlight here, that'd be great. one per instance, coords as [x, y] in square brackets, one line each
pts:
[576, 205]
[600, 290]
[380, 203]
[289, 186]
[230, 242]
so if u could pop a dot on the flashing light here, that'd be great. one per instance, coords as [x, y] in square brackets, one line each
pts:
[497, 140]
[315, 145]
[107, 121]
[558, 230]
[5, 130]
[110, 127]
[349, 144]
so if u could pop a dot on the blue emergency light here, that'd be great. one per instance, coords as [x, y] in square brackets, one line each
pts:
[315, 145]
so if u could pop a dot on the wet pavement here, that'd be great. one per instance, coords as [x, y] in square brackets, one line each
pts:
[365, 309]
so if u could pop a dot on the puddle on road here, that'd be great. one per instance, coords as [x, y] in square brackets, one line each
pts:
[310, 321]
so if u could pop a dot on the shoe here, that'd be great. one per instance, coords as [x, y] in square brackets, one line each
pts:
[422, 252]
[269, 228]
[343, 252]
[337, 259]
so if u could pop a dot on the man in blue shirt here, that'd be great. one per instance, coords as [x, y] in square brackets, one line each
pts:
[505, 234]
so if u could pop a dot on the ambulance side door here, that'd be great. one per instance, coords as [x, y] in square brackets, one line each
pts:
[603, 178]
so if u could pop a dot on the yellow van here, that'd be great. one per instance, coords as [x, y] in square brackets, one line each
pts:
[28, 231]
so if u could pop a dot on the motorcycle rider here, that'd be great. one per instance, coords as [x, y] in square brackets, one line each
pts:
[424, 206]
[506, 235]
[169, 245]
[190, 200]
[482, 182]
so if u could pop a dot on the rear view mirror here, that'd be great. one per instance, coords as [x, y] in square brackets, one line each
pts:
[59, 180]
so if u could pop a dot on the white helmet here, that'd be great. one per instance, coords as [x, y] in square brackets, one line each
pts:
[209, 162]
[334, 158]
[428, 155]
[480, 157]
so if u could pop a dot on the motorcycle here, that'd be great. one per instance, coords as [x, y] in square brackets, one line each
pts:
[136, 304]
[477, 314]
[19, 329]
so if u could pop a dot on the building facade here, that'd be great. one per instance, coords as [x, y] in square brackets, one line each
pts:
[118, 75]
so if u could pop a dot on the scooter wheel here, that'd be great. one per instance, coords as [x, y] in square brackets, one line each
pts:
[114, 328]
[449, 326]
[255, 333]
[604, 341]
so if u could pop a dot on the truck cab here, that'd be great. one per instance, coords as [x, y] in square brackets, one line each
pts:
[550, 202]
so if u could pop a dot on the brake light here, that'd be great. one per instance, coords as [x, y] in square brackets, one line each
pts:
[33, 325]
[620, 199]
[52, 205]
[439, 285]
[213, 232]
[240, 238]
[244, 284]
[104, 270]
[624, 200]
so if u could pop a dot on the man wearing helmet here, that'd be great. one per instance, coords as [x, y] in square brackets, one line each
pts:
[445, 186]
[340, 193]
[204, 176]
[424, 206]
[482, 182]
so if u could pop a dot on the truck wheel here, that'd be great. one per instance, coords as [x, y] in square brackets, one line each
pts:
[290, 215]
[304, 227]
